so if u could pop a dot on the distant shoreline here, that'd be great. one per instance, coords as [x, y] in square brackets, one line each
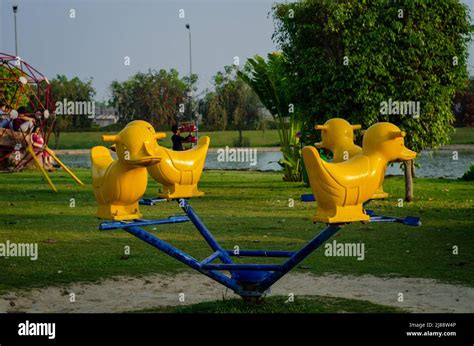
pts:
[261, 149]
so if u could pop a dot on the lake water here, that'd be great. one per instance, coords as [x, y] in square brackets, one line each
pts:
[433, 164]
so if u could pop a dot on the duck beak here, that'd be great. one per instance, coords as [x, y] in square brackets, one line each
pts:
[146, 161]
[147, 157]
[407, 154]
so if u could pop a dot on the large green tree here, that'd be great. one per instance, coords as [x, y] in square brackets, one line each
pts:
[348, 57]
[71, 90]
[214, 114]
[158, 97]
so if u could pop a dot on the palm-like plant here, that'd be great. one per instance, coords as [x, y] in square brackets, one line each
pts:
[268, 79]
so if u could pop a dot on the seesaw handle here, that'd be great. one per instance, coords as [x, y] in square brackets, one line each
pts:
[40, 167]
[73, 176]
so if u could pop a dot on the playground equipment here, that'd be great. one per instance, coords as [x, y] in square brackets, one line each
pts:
[21, 85]
[252, 281]
[119, 184]
[337, 136]
[341, 188]
[180, 171]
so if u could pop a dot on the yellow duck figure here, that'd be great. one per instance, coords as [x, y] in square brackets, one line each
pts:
[119, 184]
[337, 136]
[180, 171]
[341, 188]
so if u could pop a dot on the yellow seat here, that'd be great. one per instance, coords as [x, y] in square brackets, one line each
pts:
[337, 136]
[341, 188]
[119, 184]
[180, 171]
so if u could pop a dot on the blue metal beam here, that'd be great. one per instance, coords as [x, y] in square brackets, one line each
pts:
[260, 253]
[308, 197]
[182, 257]
[201, 227]
[211, 258]
[294, 260]
[151, 201]
[111, 225]
[233, 266]
[409, 220]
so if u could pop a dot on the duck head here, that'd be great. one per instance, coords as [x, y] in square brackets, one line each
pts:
[387, 140]
[136, 144]
[334, 131]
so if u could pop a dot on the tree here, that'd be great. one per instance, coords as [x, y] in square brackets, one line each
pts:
[214, 114]
[346, 58]
[71, 90]
[9, 88]
[191, 89]
[238, 101]
[268, 80]
[156, 96]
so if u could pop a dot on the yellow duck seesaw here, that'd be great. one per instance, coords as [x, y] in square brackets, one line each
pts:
[337, 136]
[180, 171]
[120, 184]
[341, 188]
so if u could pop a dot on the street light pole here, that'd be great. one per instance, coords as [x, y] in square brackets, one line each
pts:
[190, 73]
[15, 9]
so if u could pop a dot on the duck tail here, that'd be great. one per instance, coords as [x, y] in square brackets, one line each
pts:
[202, 147]
[204, 141]
[100, 160]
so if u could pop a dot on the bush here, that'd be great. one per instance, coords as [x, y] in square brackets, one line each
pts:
[469, 175]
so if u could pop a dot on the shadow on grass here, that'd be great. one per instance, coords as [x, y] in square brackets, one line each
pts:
[305, 304]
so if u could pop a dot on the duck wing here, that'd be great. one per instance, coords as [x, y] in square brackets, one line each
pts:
[321, 181]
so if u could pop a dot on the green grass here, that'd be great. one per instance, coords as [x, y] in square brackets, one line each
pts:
[86, 140]
[463, 135]
[248, 209]
[303, 304]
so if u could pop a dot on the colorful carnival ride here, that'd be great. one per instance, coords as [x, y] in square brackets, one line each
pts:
[27, 119]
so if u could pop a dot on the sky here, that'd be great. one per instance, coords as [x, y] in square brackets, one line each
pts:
[93, 38]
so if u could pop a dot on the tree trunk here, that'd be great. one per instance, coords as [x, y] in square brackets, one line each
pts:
[56, 139]
[413, 169]
[408, 180]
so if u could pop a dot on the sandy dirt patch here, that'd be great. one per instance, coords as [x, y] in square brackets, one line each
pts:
[122, 294]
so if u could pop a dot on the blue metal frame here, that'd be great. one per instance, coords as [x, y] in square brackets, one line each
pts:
[110, 225]
[308, 197]
[409, 220]
[246, 280]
